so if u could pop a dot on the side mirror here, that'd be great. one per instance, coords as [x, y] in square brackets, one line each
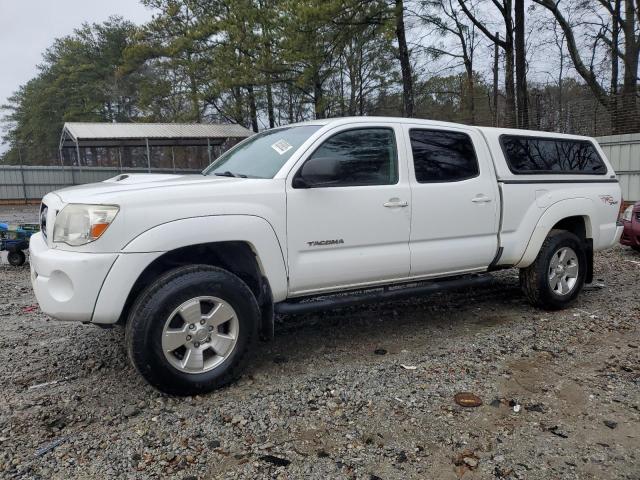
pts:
[318, 172]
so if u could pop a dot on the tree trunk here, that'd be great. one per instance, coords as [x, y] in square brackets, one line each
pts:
[615, 44]
[318, 96]
[353, 82]
[561, 122]
[521, 66]
[471, 103]
[253, 111]
[195, 103]
[238, 115]
[510, 114]
[343, 108]
[496, 74]
[629, 124]
[360, 80]
[270, 113]
[585, 72]
[405, 63]
[291, 117]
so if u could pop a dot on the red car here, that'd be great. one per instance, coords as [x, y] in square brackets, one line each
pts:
[631, 222]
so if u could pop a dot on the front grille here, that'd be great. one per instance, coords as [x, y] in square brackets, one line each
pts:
[44, 213]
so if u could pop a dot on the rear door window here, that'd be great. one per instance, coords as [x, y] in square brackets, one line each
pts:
[442, 156]
[533, 155]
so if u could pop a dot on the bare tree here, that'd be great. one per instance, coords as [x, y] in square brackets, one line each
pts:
[496, 80]
[624, 113]
[505, 7]
[521, 66]
[452, 22]
[405, 61]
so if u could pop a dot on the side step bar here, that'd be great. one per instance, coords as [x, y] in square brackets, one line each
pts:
[392, 292]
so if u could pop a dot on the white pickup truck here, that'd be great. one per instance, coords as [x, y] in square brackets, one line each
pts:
[317, 215]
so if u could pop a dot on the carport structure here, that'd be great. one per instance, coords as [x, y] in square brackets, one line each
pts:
[150, 145]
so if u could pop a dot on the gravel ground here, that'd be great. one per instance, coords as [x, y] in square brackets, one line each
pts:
[332, 396]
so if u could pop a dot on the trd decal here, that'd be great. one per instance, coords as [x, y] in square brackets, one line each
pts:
[608, 200]
[323, 243]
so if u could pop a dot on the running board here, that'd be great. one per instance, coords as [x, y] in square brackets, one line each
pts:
[390, 292]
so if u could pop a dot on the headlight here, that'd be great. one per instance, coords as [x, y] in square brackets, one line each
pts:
[78, 224]
[626, 216]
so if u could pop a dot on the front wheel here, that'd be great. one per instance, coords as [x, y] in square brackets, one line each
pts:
[16, 258]
[190, 331]
[557, 276]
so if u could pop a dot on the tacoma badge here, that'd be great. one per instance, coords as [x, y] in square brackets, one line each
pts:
[322, 243]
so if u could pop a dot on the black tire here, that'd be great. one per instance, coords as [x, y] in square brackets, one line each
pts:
[534, 280]
[16, 258]
[153, 307]
[637, 249]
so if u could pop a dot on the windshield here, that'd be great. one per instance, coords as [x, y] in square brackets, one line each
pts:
[262, 155]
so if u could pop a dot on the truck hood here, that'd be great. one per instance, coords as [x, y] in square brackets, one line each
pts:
[149, 200]
[113, 188]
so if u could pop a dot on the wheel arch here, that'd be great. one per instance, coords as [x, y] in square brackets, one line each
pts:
[244, 245]
[573, 215]
[237, 257]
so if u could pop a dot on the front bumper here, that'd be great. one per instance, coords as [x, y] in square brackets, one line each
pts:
[66, 283]
[631, 234]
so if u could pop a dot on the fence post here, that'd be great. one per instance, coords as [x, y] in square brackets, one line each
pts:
[73, 169]
[78, 155]
[24, 185]
[148, 156]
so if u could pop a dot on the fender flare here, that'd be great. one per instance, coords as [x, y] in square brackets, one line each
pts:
[572, 207]
[254, 230]
[151, 244]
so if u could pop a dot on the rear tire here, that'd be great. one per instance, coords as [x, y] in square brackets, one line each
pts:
[174, 340]
[636, 248]
[16, 258]
[556, 277]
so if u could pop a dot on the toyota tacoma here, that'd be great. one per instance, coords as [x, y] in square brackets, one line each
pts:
[317, 215]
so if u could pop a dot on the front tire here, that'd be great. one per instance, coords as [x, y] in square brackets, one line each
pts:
[16, 258]
[191, 331]
[556, 277]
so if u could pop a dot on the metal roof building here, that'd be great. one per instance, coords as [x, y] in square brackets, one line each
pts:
[123, 137]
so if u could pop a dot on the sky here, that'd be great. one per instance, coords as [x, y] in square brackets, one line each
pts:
[28, 27]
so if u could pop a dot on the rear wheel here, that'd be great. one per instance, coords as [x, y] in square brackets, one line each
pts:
[16, 258]
[190, 332]
[557, 275]
[636, 248]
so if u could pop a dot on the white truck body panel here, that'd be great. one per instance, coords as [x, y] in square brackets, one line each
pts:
[375, 238]
[527, 198]
[318, 240]
[454, 226]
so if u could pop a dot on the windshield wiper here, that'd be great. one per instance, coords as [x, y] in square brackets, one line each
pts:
[229, 174]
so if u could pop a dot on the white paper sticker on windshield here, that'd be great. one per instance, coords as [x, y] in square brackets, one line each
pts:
[282, 146]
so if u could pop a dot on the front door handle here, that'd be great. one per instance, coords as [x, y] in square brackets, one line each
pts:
[395, 203]
[480, 199]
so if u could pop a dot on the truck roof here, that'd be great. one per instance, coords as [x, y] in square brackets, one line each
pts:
[435, 123]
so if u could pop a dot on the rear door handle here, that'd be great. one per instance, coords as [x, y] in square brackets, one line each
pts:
[481, 199]
[395, 203]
